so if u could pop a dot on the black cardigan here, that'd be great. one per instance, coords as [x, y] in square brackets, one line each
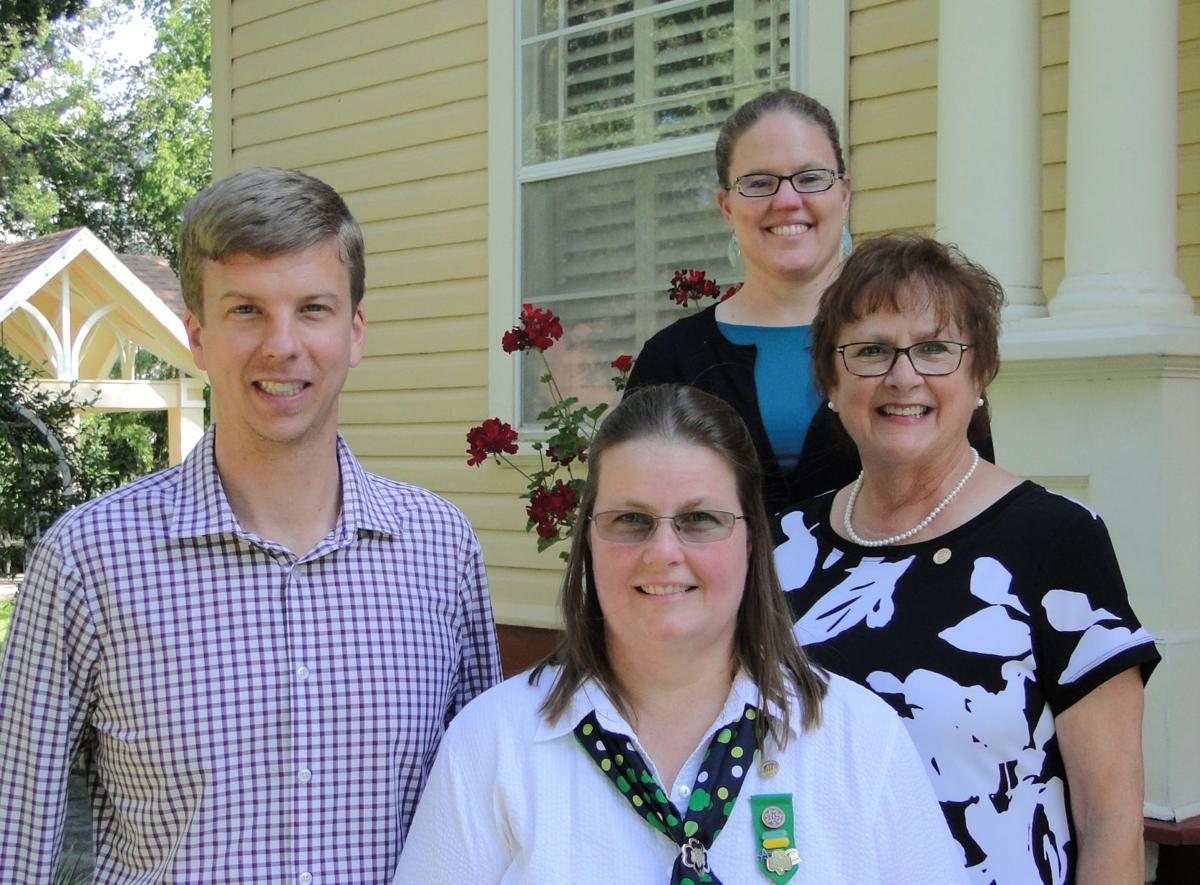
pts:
[693, 351]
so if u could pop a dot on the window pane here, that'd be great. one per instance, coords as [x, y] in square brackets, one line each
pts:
[599, 249]
[646, 77]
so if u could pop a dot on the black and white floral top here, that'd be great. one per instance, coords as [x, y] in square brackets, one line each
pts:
[978, 639]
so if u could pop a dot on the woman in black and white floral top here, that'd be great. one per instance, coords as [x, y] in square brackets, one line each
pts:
[988, 611]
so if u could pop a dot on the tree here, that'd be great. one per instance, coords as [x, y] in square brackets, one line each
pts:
[87, 141]
[24, 23]
[25, 17]
[39, 462]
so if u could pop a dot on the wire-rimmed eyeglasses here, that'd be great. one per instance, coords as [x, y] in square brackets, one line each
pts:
[870, 359]
[764, 184]
[634, 526]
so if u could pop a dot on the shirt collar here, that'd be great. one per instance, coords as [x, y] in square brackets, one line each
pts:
[591, 696]
[202, 508]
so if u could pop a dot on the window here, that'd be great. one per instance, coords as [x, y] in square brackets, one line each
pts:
[616, 105]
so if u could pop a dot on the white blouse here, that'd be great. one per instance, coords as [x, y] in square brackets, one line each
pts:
[513, 799]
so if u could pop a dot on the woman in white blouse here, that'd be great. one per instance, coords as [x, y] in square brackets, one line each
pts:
[677, 734]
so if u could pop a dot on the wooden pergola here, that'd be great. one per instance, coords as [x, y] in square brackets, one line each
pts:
[74, 308]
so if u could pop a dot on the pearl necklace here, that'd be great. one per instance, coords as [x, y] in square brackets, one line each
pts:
[920, 526]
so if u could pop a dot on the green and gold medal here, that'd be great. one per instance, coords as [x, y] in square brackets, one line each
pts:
[775, 833]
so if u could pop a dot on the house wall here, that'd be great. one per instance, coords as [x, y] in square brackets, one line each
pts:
[387, 101]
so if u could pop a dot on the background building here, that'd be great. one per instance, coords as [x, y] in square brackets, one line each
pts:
[509, 151]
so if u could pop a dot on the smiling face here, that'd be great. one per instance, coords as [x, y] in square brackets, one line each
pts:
[665, 591]
[788, 235]
[903, 418]
[277, 339]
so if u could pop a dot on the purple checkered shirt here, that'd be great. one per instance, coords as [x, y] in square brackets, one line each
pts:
[251, 716]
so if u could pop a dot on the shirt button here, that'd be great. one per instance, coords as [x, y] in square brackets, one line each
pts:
[305, 878]
[302, 672]
[304, 776]
[685, 791]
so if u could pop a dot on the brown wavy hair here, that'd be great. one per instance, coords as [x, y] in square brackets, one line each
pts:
[905, 271]
[764, 644]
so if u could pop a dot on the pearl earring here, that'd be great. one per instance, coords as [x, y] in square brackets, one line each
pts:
[832, 407]
[979, 403]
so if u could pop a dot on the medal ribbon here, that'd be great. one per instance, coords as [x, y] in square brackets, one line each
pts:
[775, 832]
[726, 761]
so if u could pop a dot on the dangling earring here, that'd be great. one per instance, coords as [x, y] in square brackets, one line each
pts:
[734, 252]
[847, 242]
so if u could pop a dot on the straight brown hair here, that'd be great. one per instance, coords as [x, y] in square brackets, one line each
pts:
[764, 644]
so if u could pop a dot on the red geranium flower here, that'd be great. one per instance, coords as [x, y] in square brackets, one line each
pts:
[492, 437]
[559, 456]
[623, 363]
[550, 507]
[692, 285]
[539, 329]
[514, 339]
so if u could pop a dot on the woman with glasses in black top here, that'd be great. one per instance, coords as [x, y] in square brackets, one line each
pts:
[784, 192]
[989, 612]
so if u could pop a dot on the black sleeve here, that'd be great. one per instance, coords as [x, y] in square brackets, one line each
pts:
[1085, 631]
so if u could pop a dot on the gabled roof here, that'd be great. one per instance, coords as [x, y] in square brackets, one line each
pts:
[138, 286]
[18, 259]
[156, 273]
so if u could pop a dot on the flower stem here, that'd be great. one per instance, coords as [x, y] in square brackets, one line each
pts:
[506, 460]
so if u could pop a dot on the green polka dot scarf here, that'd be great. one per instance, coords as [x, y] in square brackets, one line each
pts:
[724, 767]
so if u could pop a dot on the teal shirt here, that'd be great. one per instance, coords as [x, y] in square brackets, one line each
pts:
[787, 395]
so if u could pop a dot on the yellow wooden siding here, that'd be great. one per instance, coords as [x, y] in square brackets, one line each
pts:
[893, 115]
[387, 100]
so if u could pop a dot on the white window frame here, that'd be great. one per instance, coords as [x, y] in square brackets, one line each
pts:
[820, 66]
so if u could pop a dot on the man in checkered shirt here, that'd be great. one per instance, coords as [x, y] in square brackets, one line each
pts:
[256, 651]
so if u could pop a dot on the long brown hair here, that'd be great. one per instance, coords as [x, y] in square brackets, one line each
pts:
[764, 645]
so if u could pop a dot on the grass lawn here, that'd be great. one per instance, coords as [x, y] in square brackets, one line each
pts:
[6, 610]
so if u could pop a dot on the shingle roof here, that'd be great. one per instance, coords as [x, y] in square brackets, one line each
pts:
[18, 260]
[156, 273]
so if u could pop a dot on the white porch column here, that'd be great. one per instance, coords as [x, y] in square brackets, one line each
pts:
[989, 142]
[1121, 155]
[185, 424]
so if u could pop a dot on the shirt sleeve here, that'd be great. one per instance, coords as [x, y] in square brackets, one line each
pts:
[1085, 631]
[46, 666]
[911, 838]
[650, 367]
[455, 829]
[479, 661]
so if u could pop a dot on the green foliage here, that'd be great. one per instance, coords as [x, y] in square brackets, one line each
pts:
[26, 17]
[85, 140]
[117, 447]
[6, 612]
[107, 450]
[38, 458]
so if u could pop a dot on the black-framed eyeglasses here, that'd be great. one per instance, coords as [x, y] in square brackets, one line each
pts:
[870, 359]
[764, 184]
[634, 526]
